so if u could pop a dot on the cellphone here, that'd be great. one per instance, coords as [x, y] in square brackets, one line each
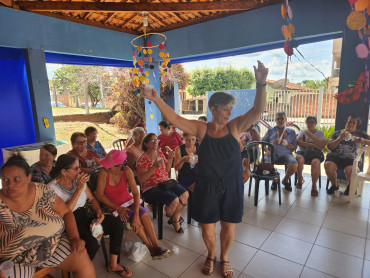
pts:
[168, 148]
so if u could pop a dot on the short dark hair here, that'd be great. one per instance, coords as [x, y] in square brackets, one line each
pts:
[51, 149]
[146, 140]
[164, 124]
[357, 118]
[280, 113]
[64, 161]
[221, 98]
[18, 161]
[204, 118]
[311, 117]
[75, 135]
[90, 129]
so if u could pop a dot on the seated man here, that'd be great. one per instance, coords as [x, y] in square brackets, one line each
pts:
[344, 145]
[285, 142]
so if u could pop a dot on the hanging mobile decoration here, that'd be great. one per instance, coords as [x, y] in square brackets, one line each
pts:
[358, 20]
[288, 29]
[148, 49]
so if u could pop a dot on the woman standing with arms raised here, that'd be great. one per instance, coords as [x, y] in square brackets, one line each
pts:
[219, 182]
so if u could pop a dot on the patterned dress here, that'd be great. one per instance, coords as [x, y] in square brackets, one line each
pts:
[34, 238]
[39, 175]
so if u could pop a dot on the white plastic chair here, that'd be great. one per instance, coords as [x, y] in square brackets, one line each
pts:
[357, 179]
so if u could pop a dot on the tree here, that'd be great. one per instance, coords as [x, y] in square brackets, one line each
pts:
[130, 106]
[219, 79]
[179, 76]
[314, 84]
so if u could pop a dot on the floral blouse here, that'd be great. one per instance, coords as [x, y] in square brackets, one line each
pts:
[31, 237]
[99, 149]
[159, 174]
[39, 175]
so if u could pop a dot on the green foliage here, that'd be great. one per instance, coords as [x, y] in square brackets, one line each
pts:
[219, 79]
[314, 84]
[179, 76]
[328, 131]
[131, 108]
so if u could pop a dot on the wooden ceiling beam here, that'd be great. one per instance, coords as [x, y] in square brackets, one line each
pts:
[237, 5]
[82, 21]
[110, 15]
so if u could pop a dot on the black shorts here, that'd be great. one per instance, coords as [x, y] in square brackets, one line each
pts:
[308, 157]
[340, 162]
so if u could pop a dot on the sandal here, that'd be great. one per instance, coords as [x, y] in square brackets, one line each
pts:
[181, 220]
[314, 192]
[125, 272]
[208, 269]
[299, 185]
[227, 270]
[171, 222]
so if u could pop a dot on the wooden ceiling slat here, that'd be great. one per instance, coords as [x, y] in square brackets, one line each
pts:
[138, 7]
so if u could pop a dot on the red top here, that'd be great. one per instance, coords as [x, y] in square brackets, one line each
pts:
[173, 141]
[159, 174]
[118, 194]
[90, 161]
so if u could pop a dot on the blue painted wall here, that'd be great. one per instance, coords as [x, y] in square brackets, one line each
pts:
[16, 120]
[244, 102]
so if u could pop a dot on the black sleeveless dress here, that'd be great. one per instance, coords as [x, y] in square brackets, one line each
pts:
[219, 190]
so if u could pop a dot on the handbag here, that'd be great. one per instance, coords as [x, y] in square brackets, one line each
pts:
[167, 185]
[265, 168]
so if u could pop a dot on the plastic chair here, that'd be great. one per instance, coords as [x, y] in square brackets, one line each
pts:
[259, 156]
[357, 179]
[119, 144]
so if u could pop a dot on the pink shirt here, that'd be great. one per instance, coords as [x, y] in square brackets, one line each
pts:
[118, 194]
[173, 141]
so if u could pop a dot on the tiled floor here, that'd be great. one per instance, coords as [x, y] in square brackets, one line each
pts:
[304, 237]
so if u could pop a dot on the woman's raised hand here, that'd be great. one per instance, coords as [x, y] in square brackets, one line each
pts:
[148, 95]
[82, 180]
[260, 73]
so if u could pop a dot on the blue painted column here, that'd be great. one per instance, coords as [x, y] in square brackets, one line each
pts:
[350, 68]
[152, 114]
[39, 94]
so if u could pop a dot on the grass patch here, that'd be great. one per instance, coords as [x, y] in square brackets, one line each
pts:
[107, 133]
[58, 111]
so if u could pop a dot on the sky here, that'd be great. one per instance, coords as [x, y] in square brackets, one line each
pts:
[318, 54]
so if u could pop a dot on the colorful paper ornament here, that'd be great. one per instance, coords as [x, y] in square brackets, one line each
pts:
[356, 21]
[283, 12]
[362, 51]
[289, 12]
[361, 5]
[150, 51]
[161, 46]
[291, 28]
[287, 49]
[149, 44]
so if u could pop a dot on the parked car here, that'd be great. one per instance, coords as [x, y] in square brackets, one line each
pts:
[59, 104]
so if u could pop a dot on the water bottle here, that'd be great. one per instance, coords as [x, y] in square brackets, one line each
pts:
[193, 160]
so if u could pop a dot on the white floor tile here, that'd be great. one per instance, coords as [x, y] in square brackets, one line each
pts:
[191, 239]
[334, 263]
[297, 229]
[287, 247]
[367, 250]
[305, 215]
[312, 203]
[346, 225]
[341, 242]
[366, 270]
[347, 210]
[250, 235]
[312, 273]
[262, 219]
[265, 265]
[143, 270]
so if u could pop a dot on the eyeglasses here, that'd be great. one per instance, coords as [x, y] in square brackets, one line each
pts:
[81, 142]
[280, 119]
[75, 168]
[153, 140]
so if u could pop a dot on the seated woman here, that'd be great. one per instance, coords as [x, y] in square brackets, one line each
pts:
[41, 170]
[183, 154]
[168, 138]
[344, 145]
[311, 141]
[70, 185]
[248, 156]
[33, 224]
[134, 150]
[89, 159]
[113, 183]
[130, 140]
[93, 144]
[152, 168]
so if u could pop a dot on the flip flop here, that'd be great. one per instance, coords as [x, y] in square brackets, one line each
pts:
[227, 270]
[125, 272]
[207, 269]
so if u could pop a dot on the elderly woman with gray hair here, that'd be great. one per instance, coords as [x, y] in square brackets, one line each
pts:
[134, 150]
[219, 190]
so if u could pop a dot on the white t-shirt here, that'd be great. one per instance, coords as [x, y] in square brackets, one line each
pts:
[319, 134]
[66, 194]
